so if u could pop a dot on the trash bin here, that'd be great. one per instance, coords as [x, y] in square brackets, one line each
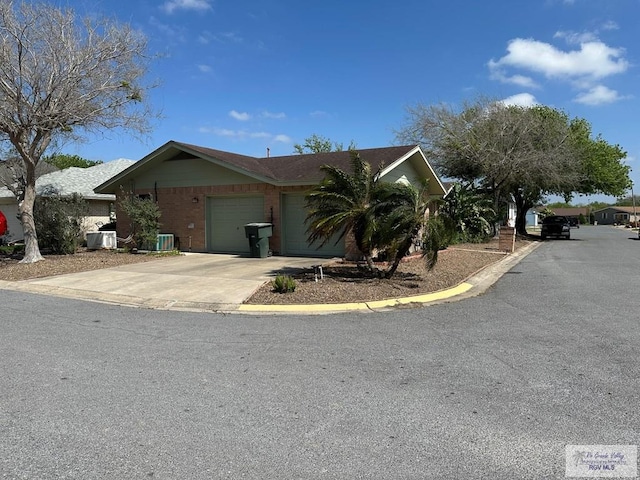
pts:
[258, 235]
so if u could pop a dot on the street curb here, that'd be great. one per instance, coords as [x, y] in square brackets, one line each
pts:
[470, 287]
[473, 286]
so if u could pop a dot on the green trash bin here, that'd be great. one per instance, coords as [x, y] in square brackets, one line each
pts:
[258, 235]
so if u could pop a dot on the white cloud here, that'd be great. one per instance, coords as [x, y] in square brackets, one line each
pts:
[175, 34]
[242, 134]
[583, 67]
[320, 114]
[204, 68]
[598, 95]
[521, 100]
[520, 80]
[282, 138]
[199, 5]
[241, 116]
[594, 59]
[576, 38]
[227, 37]
[205, 38]
[279, 115]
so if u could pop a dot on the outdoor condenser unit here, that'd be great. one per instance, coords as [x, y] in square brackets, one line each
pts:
[165, 242]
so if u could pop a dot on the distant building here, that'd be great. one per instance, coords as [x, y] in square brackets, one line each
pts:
[617, 215]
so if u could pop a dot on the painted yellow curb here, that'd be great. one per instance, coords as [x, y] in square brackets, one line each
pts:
[333, 307]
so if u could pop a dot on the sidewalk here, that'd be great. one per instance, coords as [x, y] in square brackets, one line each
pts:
[220, 283]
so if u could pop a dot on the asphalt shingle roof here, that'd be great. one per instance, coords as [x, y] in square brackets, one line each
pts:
[304, 168]
[78, 180]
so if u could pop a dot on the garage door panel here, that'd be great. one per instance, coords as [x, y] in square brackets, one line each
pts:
[227, 217]
[295, 231]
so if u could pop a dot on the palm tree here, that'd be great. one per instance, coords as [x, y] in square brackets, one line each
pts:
[469, 212]
[342, 203]
[382, 216]
[401, 211]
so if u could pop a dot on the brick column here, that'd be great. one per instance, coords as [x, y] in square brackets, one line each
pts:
[507, 239]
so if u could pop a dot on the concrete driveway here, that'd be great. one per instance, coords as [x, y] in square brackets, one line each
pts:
[194, 280]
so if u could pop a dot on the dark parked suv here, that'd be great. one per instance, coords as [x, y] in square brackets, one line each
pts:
[555, 226]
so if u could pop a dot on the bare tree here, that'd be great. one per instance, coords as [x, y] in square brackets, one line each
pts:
[61, 78]
[514, 153]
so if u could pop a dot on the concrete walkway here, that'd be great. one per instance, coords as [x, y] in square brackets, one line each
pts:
[220, 283]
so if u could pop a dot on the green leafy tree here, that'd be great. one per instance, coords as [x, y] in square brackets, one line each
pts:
[60, 221]
[518, 154]
[546, 212]
[601, 167]
[559, 205]
[319, 144]
[629, 201]
[144, 215]
[61, 78]
[62, 161]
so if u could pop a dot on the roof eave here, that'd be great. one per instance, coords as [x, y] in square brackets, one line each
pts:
[110, 185]
[440, 189]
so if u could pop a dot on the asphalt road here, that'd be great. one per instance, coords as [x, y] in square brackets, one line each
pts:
[489, 387]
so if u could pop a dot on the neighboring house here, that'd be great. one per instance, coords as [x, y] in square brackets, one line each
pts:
[206, 196]
[532, 217]
[617, 215]
[569, 212]
[66, 182]
[572, 212]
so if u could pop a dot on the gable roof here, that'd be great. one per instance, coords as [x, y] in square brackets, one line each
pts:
[620, 209]
[282, 170]
[78, 180]
[570, 211]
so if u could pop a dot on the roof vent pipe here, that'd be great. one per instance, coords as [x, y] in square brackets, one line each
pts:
[268, 152]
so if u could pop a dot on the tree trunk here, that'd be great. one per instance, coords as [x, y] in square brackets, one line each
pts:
[521, 221]
[522, 206]
[25, 210]
[402, 252]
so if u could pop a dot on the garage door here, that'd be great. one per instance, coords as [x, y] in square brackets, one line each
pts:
[226, 219]
[295, 235]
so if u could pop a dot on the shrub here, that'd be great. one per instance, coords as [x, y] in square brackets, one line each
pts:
[284, 284]
[144, 215]
[59, 221]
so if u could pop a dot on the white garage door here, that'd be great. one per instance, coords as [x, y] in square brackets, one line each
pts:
[294, 231]
[226, 219]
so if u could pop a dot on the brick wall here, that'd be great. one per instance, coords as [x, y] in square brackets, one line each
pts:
[186, 218]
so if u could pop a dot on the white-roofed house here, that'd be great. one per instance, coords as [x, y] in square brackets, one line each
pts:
[67, 182]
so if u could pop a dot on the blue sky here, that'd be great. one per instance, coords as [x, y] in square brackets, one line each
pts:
[246, 75]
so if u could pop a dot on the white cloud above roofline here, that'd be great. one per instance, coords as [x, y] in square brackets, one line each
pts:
[241, 116]
[521, 100]
[171, 6]
[585, 65]
[594, 59]
[599, 95]
[245, 134]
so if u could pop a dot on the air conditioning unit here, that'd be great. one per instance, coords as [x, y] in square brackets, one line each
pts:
[165, 242]
[100, 240]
